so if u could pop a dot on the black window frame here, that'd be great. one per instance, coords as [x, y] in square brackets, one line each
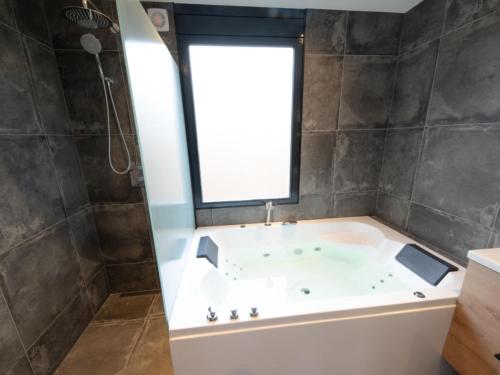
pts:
[184, 41]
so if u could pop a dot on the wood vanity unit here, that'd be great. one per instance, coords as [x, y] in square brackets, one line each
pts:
[473, 343]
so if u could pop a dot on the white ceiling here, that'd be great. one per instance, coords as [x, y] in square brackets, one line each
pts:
[395, 6]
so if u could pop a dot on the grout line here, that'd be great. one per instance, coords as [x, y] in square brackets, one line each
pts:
[493, 226]
[134, 345]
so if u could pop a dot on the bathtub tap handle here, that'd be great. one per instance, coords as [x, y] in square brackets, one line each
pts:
[234, 314]
[253, 312]
[212, 316]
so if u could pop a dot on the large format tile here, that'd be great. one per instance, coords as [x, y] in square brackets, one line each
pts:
[316, 162]
[86, 242]
[203, 218]
[11, 349]
[132, 277]
[18, 105]
[47, 88]
[239, 215]
[453, 235]
[467, 76]
[393, 210]
[51, 348]
[413, 86]
[30, 17]
[39, 279]
[460, 12]
[357, 204]
[367, 88]
[402, 148]
[30, 196]
[322, 83]
[6, 13]
[101, 350]
[125, 306]
[98, 289]
[123, 233]
[157, 306]
[422, 24]
[21, 367]
[325, 31]
[103, 185]
[358, 160]
[459, 172]
[371, 33]
[152, 355]
[314, 206]
[69, 173]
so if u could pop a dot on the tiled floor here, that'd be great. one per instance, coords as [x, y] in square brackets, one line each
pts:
[128, 336]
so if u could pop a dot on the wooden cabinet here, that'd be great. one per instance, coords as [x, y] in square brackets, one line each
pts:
[474, 336]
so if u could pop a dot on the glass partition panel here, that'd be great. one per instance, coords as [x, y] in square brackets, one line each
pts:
[153, 78]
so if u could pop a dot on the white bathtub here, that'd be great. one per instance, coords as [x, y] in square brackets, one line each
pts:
[331, 299]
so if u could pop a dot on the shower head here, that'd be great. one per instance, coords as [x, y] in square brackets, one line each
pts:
[91, 44]
[89, 18]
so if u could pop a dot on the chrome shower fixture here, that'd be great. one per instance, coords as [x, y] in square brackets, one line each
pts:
[89, 17]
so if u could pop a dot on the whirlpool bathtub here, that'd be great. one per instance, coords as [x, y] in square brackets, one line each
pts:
[315, 297]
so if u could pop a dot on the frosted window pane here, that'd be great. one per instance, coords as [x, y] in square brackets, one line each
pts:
[243, 99]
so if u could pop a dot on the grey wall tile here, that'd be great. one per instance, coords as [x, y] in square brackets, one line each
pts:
[98, 289]
[11, 349]
[47, 88]
[358, 204]
[494, 240]
[68, 172]
[239, 215]
[132, 277]
[6, 13]
[50, 349]
[460, 12]
[413, 86]
[402, 149]
[467, 80]
[315, 206]
[39, 279]
[30, 19]
[453, 235]
[21, 367]
[459, 172]
[316, 162]
[325, 31]
[371, 33]
[85, 94]
[422, 24]
[119, 243]
[358, 160]
[31, 199]
[393, 210]
[367, 88]
[321, 95]
[203, 218]
[86, 243]
[18, 106]
[103, 184]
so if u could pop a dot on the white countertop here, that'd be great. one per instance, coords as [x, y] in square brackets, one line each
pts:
[488, 257]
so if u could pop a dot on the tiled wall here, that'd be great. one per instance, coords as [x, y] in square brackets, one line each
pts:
[52, 277]
[441, 177]
[350, 66]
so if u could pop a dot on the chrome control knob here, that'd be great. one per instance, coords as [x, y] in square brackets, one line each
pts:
[212, 316]
[253, 312]
[234, 315]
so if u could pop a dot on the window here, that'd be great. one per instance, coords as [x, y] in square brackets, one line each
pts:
[242, 99]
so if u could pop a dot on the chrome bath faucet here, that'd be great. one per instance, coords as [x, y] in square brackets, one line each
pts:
[269, 209]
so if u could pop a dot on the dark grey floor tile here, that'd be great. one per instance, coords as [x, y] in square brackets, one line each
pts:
[325, 31]
[21, 367]
[358, 160]
[103, 185]
[461, 12]
[451, 234]
[467, 76]
[86, 243]
[123, 233]
[31, 199]
[322, 83]
[367, 88]
[69, 173]
[132, 277]
[393, 210]
[316, 206]
[458, 172]
[85, 94]
[125, 307]
[422, 24]
[204, 218]
[6, 13]
[47, 87]
[371, 33]
[51, 348]
[98, 289]
[11, 349]
[402, 149]
[18, 105]
[359, 204]
[413, 86]
[39, 279]
[239, 215]
[316, 162]
[30, 17]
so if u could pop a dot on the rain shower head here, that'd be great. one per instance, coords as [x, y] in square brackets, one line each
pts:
[89, 18]
[91, 44]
